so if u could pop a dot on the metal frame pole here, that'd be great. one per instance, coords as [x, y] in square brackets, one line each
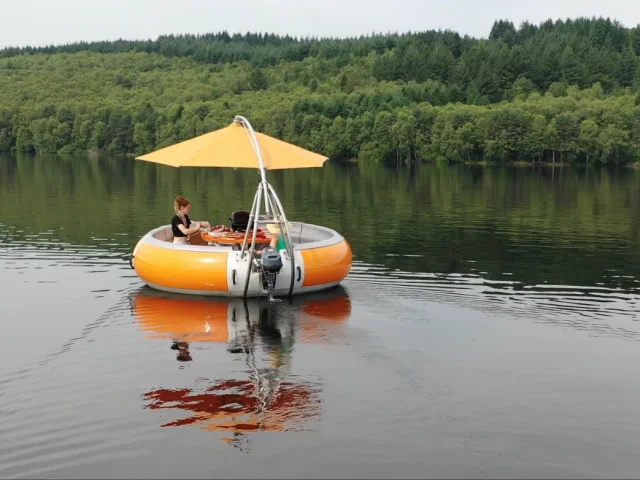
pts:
[252, 221]
[288, 242]
[268, 200]
[253, 241]
[239, 119]
[269, 194]
[284, 219]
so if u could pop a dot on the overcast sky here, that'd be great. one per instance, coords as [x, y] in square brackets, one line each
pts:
[44, 22]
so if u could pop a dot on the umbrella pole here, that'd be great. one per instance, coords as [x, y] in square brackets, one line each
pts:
[284, 229]
[253, 220]
[256, 146]
[266, 188]
[254, 226]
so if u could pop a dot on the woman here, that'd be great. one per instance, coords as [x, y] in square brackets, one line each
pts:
[181, 225]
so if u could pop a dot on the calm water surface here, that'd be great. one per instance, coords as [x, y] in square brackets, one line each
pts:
[489, 328]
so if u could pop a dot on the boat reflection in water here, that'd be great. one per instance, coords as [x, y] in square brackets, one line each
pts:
[251, 329]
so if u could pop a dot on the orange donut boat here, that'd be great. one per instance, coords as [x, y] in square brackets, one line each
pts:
[322, 258]
[224, 263]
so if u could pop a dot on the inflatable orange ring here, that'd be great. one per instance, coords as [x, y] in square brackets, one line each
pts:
[321, 259]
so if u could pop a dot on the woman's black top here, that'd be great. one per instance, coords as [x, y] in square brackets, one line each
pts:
[175, 221]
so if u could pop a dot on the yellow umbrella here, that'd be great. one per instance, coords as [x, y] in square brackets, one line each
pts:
[239, 146]
[233, 146]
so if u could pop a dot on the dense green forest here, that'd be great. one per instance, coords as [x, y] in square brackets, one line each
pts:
[559, 91]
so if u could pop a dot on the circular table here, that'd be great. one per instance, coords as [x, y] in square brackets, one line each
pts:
[233, 237]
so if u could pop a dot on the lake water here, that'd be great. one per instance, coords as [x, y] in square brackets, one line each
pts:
[489, 328]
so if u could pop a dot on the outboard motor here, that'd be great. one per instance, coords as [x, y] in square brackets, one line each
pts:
[271, 264]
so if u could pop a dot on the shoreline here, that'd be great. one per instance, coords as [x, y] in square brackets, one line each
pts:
[355, 161]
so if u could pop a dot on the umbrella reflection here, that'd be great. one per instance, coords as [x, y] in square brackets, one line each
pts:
[238, 406]
[266, 400]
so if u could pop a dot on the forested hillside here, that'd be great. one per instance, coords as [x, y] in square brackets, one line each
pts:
[559, 91]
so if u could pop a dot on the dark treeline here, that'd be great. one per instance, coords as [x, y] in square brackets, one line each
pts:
[558, 91]
[581, 51]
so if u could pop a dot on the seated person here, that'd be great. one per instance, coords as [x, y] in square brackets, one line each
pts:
[277, 242]
[181, 225]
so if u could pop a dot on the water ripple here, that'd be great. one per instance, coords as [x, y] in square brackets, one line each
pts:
[111, 387]
[554, 304]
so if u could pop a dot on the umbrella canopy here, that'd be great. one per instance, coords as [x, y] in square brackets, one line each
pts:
[232, 147]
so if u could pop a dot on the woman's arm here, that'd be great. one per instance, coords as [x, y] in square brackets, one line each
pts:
[204, 224]
[193, 228]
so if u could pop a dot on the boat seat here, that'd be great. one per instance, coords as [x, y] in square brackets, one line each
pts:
[165, 234]
[239, 220]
